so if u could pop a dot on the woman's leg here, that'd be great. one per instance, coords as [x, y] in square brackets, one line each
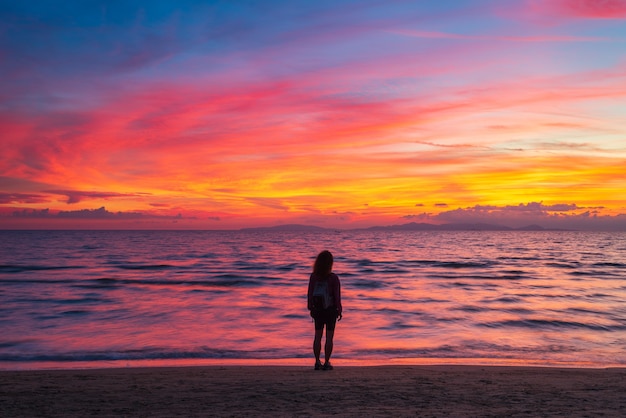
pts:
[328, 347]
[317, 344]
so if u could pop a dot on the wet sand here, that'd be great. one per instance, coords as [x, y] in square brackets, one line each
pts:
[429, 391]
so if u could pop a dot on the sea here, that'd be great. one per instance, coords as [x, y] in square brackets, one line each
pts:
[87, 299]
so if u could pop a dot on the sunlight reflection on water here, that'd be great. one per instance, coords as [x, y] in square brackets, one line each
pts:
[136, 296]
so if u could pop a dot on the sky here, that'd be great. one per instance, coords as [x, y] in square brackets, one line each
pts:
[341, 114]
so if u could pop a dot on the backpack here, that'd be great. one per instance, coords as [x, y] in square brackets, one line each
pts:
[322, 299]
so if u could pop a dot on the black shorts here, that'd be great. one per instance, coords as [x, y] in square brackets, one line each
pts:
[326, 317]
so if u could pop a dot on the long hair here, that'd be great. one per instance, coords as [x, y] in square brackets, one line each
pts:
[323, 264]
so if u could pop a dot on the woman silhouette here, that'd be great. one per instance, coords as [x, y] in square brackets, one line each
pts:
[324, 302]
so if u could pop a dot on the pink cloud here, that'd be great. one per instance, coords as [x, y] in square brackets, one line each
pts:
[160, 130]
[584, 9]
[504, 38]
[158, 117]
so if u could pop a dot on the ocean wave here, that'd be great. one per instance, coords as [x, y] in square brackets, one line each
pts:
[471, 308]
[513, 258]
[469, 349]
[564, 265]
[226, 280]
[610, 264]
[505, 299]
[147, 354]
[146, 266]
[91, 247]
[551, 324]
[464, 264]
[596, 273]
[365, 284]
[288, 267]
[19, 268]
[76, 312]
[99, 283]
[447, 264]
[60, 301]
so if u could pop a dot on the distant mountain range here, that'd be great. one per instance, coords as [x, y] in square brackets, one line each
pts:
[412, 226]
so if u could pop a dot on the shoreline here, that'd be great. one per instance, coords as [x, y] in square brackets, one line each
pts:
[389, 390]
[299, 362]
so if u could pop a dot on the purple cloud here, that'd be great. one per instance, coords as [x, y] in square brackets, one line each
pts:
[561, 215]
[17, 198]
[528, 207]
[75, 196]
[100, 213]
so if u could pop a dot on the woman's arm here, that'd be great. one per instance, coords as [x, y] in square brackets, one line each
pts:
[309, 294]
[337, 294]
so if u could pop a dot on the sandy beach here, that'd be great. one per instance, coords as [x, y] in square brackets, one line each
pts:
[430, 391]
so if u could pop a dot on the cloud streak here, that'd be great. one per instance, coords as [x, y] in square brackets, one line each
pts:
[18, 198]
[75, 196]
[504, 38]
